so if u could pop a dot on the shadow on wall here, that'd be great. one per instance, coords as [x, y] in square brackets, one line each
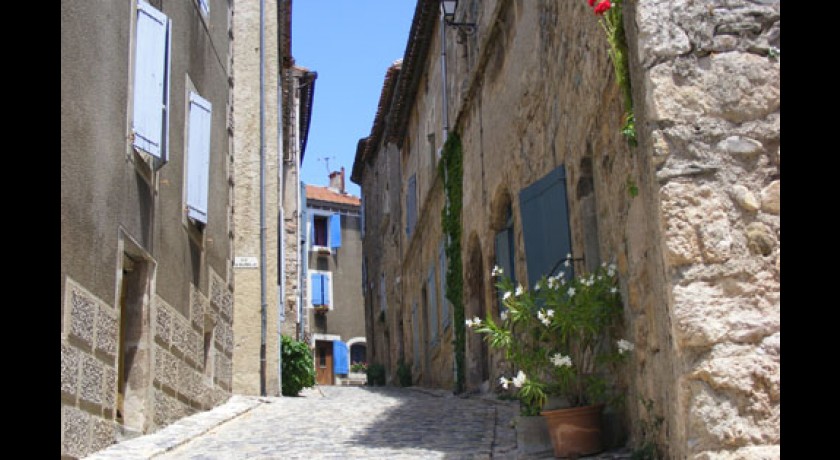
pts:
[425, 421]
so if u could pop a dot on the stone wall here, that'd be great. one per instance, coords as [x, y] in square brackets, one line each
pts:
[708, 92]
[246, 165]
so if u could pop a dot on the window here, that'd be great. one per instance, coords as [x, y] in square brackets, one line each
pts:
[446, 318]
[320, 289]
[411, 205]
[432, 305]
[198, 157]
[150, 118]
[505, 252]
[358, 353]
[326, 230]
[545, 226]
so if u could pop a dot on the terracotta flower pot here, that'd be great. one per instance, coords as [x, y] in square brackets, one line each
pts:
[575, 431]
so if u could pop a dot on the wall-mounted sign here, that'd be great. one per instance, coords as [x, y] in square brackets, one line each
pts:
[245, 262]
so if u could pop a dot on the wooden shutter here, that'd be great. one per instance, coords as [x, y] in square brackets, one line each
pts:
[432, 297]
[411, 204]
[325, 288]
[317, 289]
[198, 157]
[335, 231]
[444, 302]
[340, 365]
[545, 225]
[151, 80]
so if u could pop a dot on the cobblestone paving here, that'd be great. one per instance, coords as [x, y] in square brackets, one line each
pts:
[338, 423]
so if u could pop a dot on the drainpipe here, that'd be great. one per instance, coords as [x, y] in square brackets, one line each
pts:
[263, 302]
[443, 77]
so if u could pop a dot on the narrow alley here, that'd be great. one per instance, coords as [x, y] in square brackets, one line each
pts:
[339, 422]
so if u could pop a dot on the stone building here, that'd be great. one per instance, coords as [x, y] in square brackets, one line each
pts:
[335, 321]
[146, 205]
[690, 215]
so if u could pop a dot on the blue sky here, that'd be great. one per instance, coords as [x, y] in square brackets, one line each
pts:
[351, 44]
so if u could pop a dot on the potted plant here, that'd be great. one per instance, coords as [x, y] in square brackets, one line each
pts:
[561, 339]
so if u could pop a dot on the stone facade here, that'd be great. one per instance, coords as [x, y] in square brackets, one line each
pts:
[344, 319]
[707, 84]
[249, 376]
[136, 268]
[690, 216]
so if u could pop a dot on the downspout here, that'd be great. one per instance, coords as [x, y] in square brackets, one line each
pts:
[263, 302]
[443, 77]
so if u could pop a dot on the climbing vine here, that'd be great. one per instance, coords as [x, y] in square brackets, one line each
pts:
[613, 24]
[451, 168]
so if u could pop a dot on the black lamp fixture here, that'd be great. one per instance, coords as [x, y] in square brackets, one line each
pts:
[448, 8]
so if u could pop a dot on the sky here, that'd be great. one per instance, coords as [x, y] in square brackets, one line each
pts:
[351, 44]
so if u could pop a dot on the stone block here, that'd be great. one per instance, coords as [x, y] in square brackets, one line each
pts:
[771, 197]
[760, 240]
[715, 237]
[91, 387]
[75, 431]
[198, 305]
[107, 331]
[166, 368]
[109, 387]
[744, 198]
[70, 359]
[180, 328]
[103, 433]
[82, 316]
[163, 321]
[217, 288]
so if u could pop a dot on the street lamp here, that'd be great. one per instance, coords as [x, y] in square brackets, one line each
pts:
[448, 7]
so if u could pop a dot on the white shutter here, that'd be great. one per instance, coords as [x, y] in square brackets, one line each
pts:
[198, 157]
[151, 72]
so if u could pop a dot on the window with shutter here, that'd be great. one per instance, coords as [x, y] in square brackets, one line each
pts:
[151, 81]
[335, 231]
[433, 312]
[411, 204]
[545, 226]
[198, 157]
[446, 317]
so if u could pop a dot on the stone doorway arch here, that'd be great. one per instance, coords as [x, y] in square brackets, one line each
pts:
[475, 304]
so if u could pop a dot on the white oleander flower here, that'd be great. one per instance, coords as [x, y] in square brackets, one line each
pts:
[519, 380]
[505, 382]
[537, 286]
[497, 270]
[504, 315]
[476, 321]
[507, 295]
[625, 346]
[549, 313]
[469, 323]
[571, 292]
[546, 322]
[519, 290]
[559, 360]
[613, 290]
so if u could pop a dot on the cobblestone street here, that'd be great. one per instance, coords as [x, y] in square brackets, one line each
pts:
[337, 422]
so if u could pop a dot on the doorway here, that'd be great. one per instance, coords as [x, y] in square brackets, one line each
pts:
[133, 366]
[477, 349]
[324, 362]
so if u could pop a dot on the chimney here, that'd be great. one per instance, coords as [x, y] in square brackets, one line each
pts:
[337, 181]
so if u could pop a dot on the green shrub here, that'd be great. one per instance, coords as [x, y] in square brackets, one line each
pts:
[298, 367]
[375, 374]
[404, 374]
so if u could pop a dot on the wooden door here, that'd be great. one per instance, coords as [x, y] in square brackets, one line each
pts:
[323, 362]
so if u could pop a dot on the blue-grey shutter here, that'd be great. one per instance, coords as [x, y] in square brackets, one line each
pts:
[411, 204]
[415, 336]
[317, 289]
[335, 231]
[432, 296]
[151, 80]
[205, 6]
[198, 157]
[340, 365]
[545, 225]
[444, 302]
[325, 288]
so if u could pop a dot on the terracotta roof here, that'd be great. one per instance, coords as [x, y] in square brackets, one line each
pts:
[314, 192]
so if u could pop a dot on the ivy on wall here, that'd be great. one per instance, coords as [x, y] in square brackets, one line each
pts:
[612, 20]
[451, 168]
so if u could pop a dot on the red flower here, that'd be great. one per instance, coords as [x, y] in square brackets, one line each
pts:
[603, 6]
[591, 2]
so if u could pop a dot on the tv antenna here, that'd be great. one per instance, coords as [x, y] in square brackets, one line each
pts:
[326, 161]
